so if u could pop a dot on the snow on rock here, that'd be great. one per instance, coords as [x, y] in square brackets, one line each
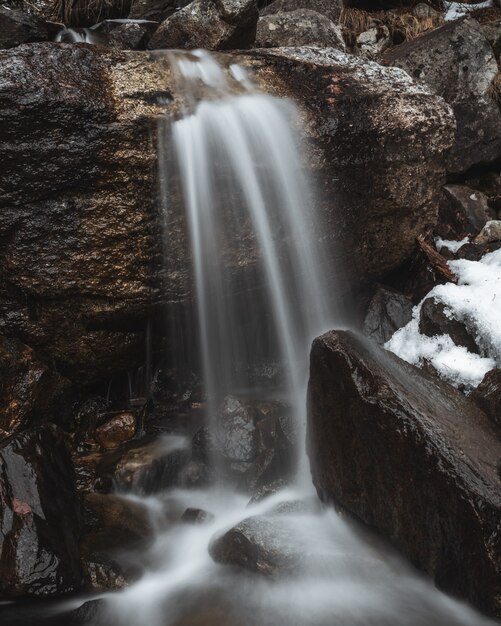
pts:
[455, 10]
[476, 302]
[451, 245]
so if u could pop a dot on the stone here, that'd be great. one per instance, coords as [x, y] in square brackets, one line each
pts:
[102, 573]
[330, 8]
[17, 27]
[39, 516]
[373, 42]
[388, 311]
[84, 302]
[236, 430]
[116, 430]
[488, 395]
[126, 35]
[437, 319]
[490, 232]
[463, 211]
[377, 5]
[152, 466]
[260, 544]
[196, 516]
[209, 24]
[30, 392]
[412, 457]
[298, 28]
[157, 10]
[457, 62]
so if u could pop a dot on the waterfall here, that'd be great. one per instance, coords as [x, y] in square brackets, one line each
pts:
[261, 292]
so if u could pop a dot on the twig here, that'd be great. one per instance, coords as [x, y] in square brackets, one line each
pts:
[436, 261]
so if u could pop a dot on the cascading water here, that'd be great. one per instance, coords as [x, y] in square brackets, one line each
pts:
[235, 158]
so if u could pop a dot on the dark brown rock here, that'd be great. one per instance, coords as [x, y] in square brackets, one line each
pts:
[387, 312]
[410, 456]
[437, 319]
[39, 516]
[30, 392]
[209, 24]
[301, 27]
[17, 27]
[196, 516]
[102, 573]
[458, 63]
[157, 10]
[463, 211]
[117, 430]
[488, 395]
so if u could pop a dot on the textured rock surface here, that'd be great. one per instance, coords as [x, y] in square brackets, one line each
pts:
[330, 8]
[411, 456]
[458, 63]
[80, 233]
[209, 24]
[29, 391]
[437, 319]
[302, 27]
[463, 211]
[39, 516]
[116, 430]
[387, 312]
[488, 395]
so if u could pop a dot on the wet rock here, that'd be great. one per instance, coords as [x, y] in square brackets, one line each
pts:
[268, 490]
[196, 516]
[30, 392]
[117, 430]
[298, 28]
[490, 232]
[102, 573]
[488, 395]
[458, 63]
[387, 312]
[374, 41]
[17, 27]
[153, 466]
[437, 319]
[330, 8]
[236, 430]
[260, 544]
[411, 456]
[209, 24]
[196, 474]
[39, 516]
[89, 612]
[463, 211]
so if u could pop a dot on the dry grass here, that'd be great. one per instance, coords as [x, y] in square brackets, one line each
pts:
[75, 13]
[402, 24]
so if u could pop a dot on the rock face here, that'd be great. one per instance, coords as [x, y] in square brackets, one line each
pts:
[17, 27]
[388, 311]
[411, 456]
[298, 28]
[488, 395]
[29, 391]
[209, 24]
[463, 211]
[458, 63]
[437, 319]
[39, 516]
[81, 235]
[330, 8]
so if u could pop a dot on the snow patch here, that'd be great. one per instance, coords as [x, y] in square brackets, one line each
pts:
[476, 302]
[453, 245]
[455, 10]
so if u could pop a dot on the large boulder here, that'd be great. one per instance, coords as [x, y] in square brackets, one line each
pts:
[81, 260]
[39, 516]
[302, 27]
[210, 24]
[457, 62]
[30, 391]
[410, 456]
[17, 27]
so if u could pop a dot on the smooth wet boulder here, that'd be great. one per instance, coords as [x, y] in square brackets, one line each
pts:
[411, 456]
[302, 27]
[209, 24]
[388, 311]
[39, 516]
[457, 62]
[81, 261]
[260, 544]
[17, 27]
[117, 430]
[330, 8]
[30, 392]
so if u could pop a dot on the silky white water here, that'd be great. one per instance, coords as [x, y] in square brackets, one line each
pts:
[249, 212]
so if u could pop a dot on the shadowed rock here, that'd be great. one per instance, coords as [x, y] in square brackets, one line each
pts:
[488, 395]
[388, 311]
[437, 319]
[298, 28]
[410, 456]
